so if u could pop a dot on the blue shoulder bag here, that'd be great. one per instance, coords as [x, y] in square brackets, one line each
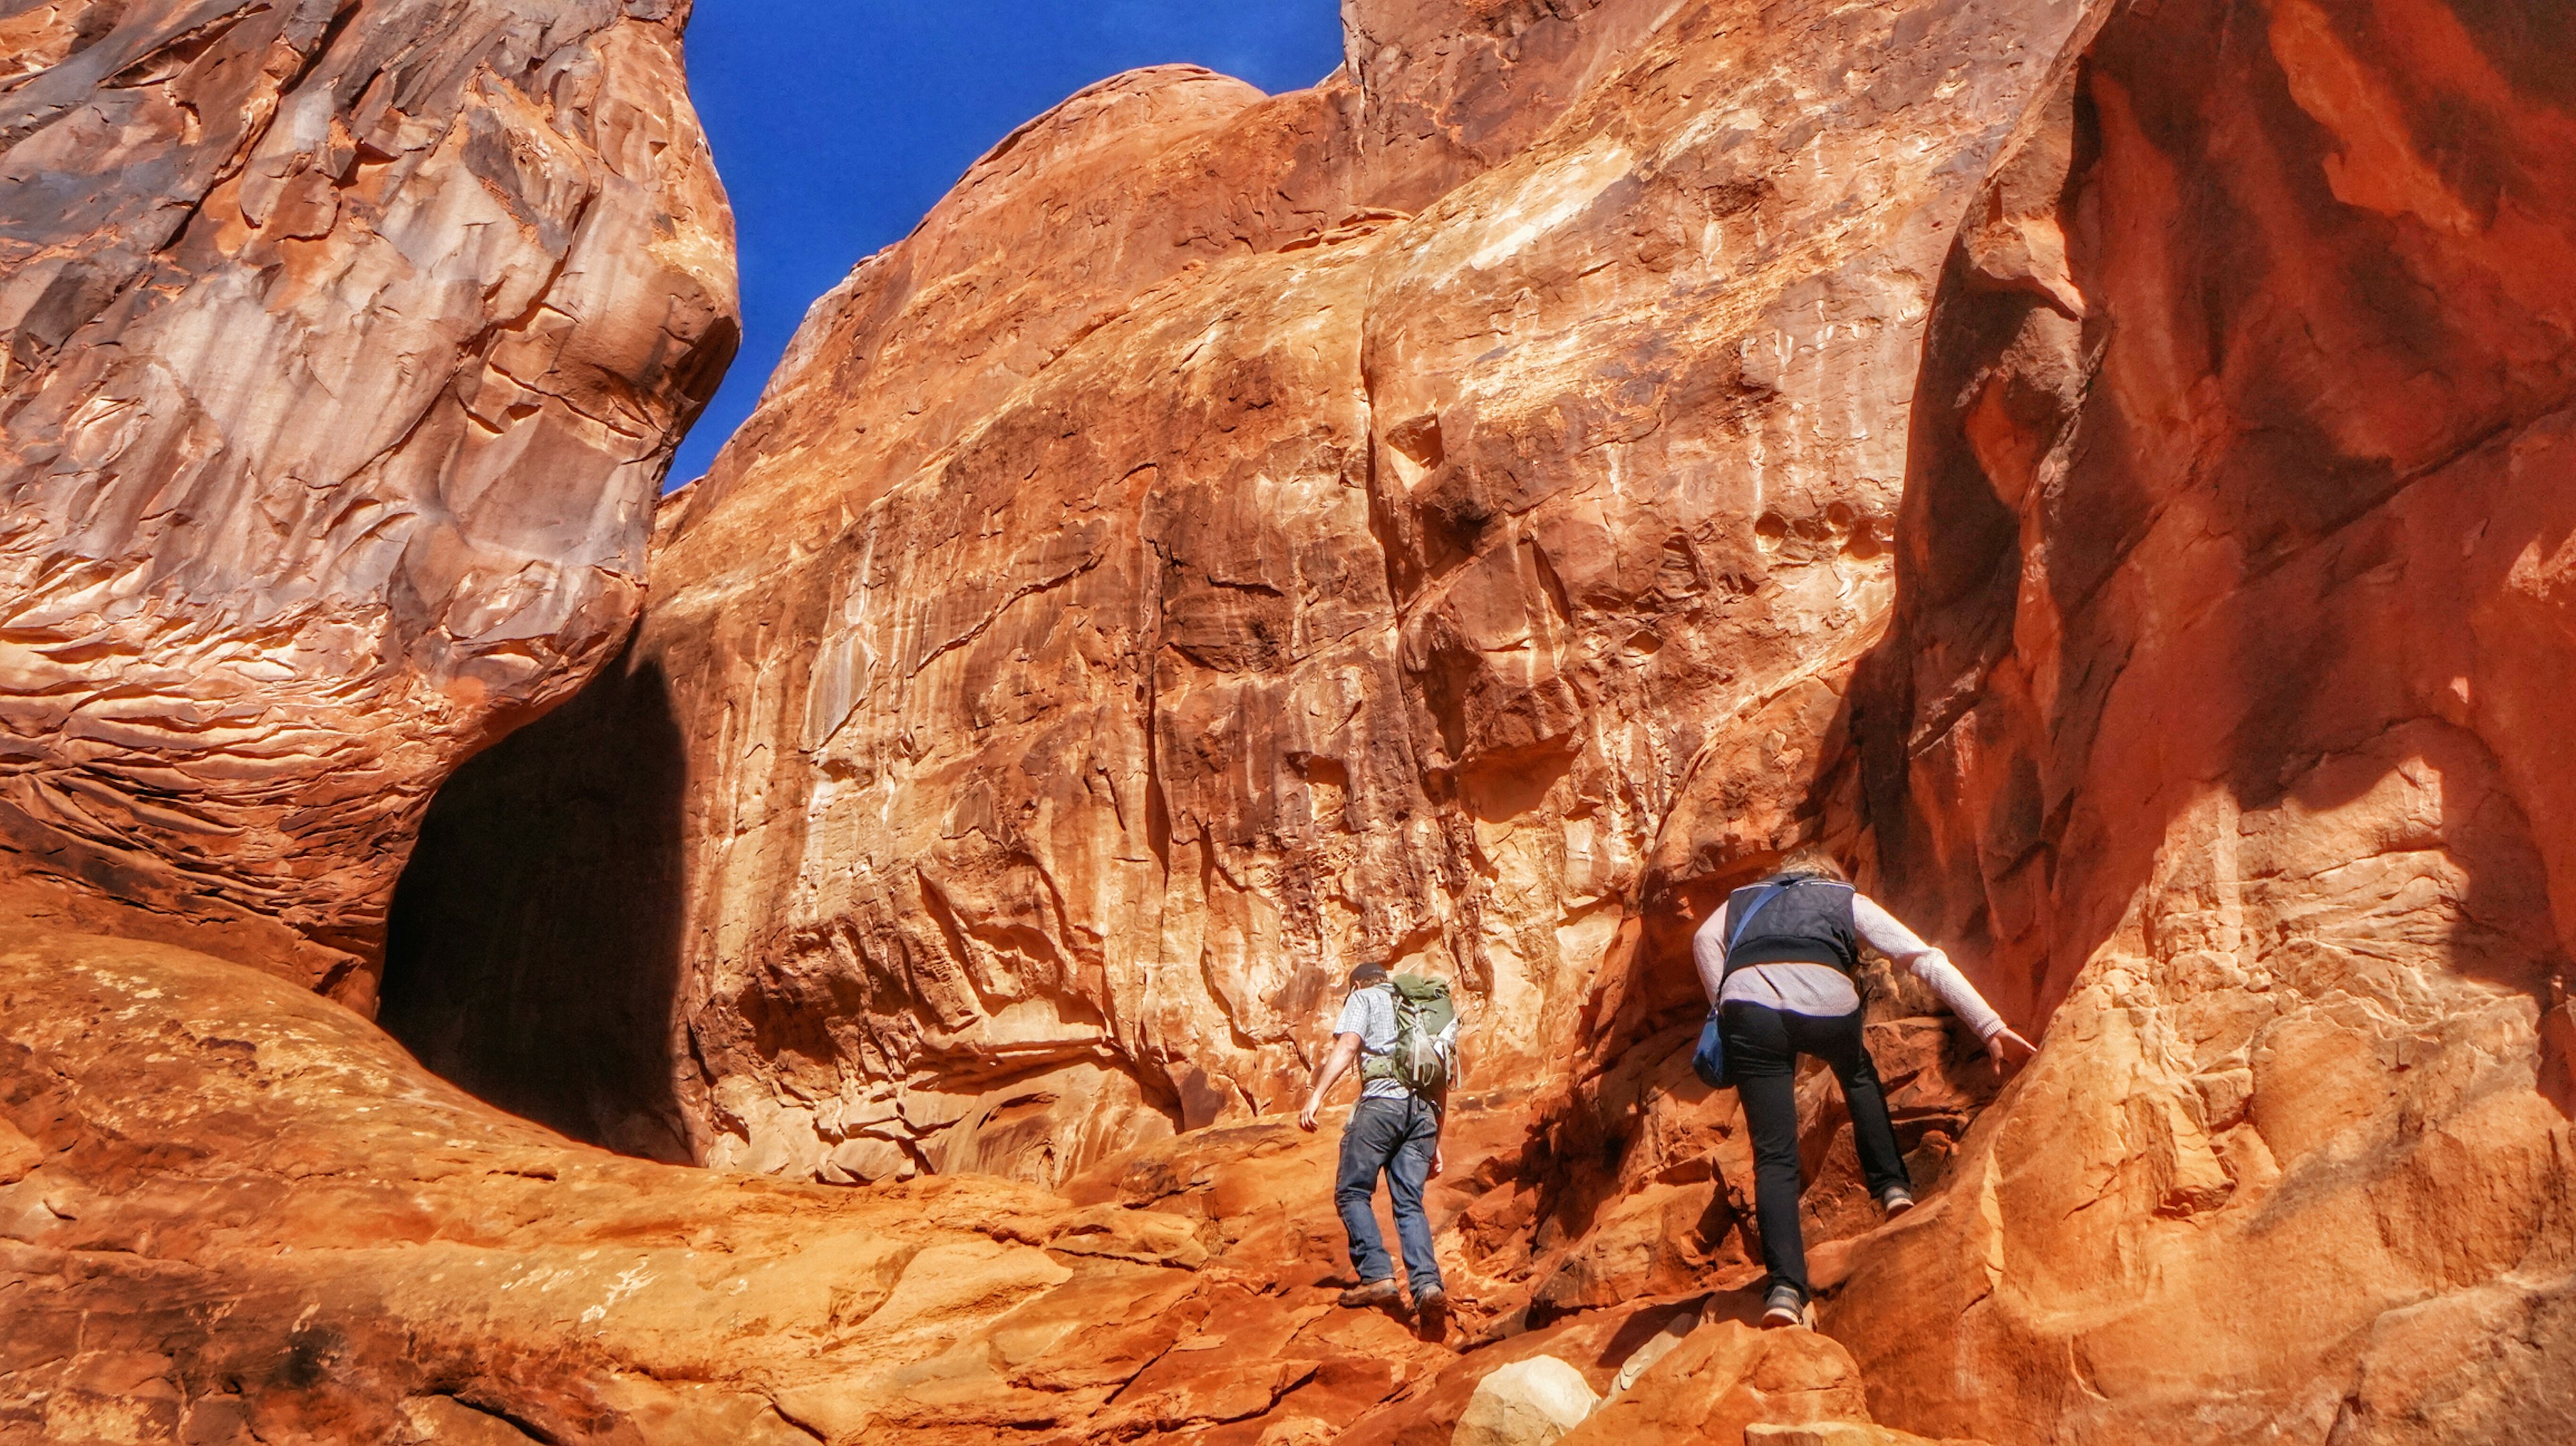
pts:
[1710, 1058]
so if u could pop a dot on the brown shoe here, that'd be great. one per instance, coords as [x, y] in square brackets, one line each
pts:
[1370, 1293]
[1431, 1312]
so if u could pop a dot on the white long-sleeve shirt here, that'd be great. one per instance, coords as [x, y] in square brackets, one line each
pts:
[1825, 991]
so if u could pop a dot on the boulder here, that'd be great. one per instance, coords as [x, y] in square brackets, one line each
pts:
[1725, 1377]
[1531, 1402]
[1838, 1433]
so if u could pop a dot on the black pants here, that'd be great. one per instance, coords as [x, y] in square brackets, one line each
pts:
[1762, 1049]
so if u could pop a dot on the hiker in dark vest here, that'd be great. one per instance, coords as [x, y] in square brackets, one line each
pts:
[1402, 1033]
[1778, 960]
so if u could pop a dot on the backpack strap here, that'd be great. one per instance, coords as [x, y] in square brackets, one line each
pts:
[1382, 1066]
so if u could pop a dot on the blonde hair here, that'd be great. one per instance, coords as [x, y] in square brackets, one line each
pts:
[1812, 861]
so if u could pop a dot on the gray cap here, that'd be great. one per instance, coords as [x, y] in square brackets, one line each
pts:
[1368, 974]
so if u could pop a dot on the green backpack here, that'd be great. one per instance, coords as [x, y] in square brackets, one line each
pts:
[1426, 1036]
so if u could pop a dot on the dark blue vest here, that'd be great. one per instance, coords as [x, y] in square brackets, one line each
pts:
[1809, 922]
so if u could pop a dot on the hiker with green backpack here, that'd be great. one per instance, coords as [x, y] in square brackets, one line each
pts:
[1778, 960]
[1402, 1032]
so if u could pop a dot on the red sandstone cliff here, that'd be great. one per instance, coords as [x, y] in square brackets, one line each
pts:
[1093, 647]
[2223, 711]
[2101, 468]
[346, 347]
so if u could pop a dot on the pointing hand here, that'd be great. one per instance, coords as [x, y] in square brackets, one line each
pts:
[1997, 1048]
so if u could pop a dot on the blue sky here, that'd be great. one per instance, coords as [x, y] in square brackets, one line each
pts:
[837, 123]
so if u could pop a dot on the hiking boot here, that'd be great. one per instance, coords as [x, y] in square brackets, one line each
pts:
[1896, 1201]
[1431, 1307]
[1783, 1307]
[1372, 1293]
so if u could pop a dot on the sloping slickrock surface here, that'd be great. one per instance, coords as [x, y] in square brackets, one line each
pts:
[231, 1212]
[1176, 574]
[342, 351]
[236, 1211]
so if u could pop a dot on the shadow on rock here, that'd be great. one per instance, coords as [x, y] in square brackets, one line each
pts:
[533, 953]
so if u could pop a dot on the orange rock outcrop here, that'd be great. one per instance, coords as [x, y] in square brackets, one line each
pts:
[2223, 714]
[346, 349]
[1353, 547]
[2102, 468]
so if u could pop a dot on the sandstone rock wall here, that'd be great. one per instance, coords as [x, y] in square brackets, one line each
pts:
[1176, 574]
[2233, 496]
[2220, 712]
[345, 349]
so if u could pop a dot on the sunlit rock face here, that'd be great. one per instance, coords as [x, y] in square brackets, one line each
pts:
[1234, 538]
[346, 347]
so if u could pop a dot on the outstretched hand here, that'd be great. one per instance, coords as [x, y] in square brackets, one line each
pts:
[2006, 1048]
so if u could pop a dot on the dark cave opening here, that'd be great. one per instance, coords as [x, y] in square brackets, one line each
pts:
[533, 952]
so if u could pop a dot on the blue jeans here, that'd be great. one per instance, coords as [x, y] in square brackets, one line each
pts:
[1397, 1137]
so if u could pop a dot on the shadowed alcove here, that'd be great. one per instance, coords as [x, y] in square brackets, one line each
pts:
[533, 952]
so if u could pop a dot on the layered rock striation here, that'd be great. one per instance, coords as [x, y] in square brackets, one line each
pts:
[345, 349]
[2219, 710]
[1234, 538]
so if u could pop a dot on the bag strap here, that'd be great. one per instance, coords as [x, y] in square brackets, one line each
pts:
[1761, 901]
[1735, 927]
